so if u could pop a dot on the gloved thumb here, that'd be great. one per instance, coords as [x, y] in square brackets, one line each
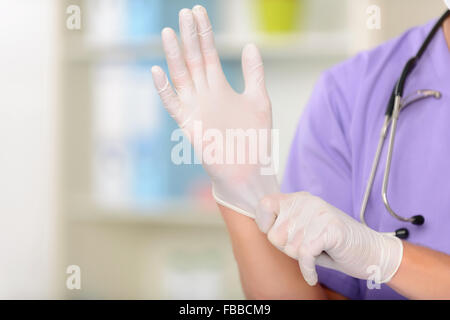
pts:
[307, 264]
[309, 253]
[267, 211]
[253, 69]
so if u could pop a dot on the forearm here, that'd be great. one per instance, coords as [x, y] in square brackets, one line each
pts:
[266, 273]
[423, 274]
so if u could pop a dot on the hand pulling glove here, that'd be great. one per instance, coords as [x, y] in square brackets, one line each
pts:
[314, 232]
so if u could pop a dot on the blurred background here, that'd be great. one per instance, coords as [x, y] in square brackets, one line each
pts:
[85, 171]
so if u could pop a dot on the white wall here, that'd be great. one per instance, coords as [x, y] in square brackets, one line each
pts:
[396, 17]
[28, 163]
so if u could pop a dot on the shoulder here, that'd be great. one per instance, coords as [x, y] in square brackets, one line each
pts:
[345, 94]
[347, 78]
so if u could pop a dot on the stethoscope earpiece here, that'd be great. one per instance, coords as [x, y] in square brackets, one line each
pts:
[418, 220]
[402, 233]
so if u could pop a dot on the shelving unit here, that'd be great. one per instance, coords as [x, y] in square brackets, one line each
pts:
[301, 46]
[166, 218]
[179, 214]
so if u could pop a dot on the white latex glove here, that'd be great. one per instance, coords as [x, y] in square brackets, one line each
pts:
[204, 98]
[314, 232]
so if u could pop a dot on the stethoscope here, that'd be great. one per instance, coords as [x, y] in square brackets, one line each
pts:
[395, 105]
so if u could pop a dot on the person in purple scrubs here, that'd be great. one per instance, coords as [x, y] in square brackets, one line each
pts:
[331, 158]
[336, 139]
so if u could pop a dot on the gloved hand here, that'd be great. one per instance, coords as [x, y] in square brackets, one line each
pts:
[204, 102]
[314, 232]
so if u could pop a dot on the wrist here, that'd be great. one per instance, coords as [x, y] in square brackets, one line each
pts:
[393, 257]
[243, 197]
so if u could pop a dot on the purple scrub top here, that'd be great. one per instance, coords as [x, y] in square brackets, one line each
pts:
[336, 138]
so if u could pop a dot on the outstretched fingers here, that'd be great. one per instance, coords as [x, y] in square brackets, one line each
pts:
[179, 73]
[167, 94]
[253, 69]
[211, 58]
[191, 46]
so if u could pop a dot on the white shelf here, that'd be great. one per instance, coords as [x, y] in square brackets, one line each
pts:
[177, 214]
[273, 47]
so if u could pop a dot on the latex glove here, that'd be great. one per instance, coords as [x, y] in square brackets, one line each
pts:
[314, 232]
[203, 98]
